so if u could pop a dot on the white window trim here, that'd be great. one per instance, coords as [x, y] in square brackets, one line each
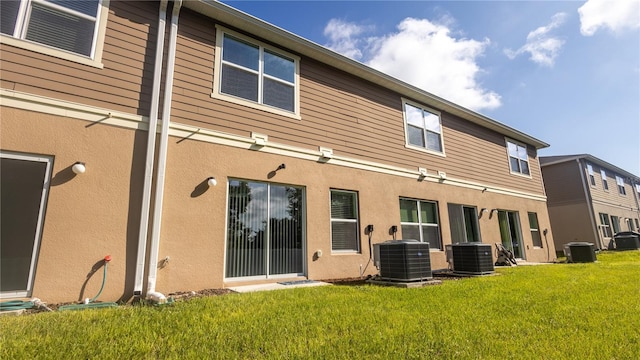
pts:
[217, 94]
[532, 229]
[39, 225]
[406, 134]
[592, 177]
[604, 179]
[620, 179]
[98, 42]
[420, 223]
[518, 143]
[356, 221]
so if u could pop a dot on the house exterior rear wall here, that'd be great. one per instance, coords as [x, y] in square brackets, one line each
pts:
[353, 117]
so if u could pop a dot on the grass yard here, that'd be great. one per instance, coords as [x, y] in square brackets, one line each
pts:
[563, 311]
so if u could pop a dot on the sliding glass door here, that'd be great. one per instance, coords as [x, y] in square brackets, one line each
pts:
[24, 185]
[265, 230]
[510, 232]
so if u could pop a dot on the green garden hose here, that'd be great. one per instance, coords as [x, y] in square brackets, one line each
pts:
[89, 303]
[16, 305]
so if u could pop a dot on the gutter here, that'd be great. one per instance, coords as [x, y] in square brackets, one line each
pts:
[587, 196]
[151, 143]
[162, 159]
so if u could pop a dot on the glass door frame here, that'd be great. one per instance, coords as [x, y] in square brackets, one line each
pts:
[518, 232]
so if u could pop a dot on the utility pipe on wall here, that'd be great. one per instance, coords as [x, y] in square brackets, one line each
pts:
[151, 144]
[162, 158]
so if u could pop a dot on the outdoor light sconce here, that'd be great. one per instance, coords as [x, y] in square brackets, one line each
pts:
[211, 181]
[281, 167]
[483, 210]
[493, 211]
[78, 168]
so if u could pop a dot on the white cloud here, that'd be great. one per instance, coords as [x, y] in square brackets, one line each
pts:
[541, 45]
[424, 54]
[343, 37]
[617, 16]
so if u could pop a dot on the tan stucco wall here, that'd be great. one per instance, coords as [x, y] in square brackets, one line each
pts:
[193, 230]
[90, 215]
[97, 213]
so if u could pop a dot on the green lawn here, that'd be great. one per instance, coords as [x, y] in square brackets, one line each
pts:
[573, 311]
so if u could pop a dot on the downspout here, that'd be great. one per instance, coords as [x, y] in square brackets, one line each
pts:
[162, 159]
[151, 144]
[587, 196]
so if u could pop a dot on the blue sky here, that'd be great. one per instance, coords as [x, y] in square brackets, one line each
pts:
[565, 72]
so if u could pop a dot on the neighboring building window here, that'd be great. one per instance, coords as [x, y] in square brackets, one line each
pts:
[518, 158]
[592, 178]
[423, 128]
[615, 223]
[637, 224]
[344, 221]
[253, 72]
[605, 225]
[620, 182]
[638, 189]
[630, 224]
[419, 221]
[535, 229]
[463, 221]
[605, 184]
[65, 25]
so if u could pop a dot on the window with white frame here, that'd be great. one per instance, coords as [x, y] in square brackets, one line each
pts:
[70, 26]
[615, 224]
[344, 221]
[518, 158]
[605, 184]
[620, 182]
[419, 221]
[255, 73]
[535, 229]
[463, 222]
[605, 225]
[638, 189]
[592, 178]
[423, 127]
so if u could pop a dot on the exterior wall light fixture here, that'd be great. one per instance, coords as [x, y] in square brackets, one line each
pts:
[78, 167]
[211, 181]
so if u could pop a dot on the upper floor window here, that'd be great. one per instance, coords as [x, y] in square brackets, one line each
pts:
[422, 128]
[620, 182]
[518, 158]
[419, 221]
[344, 221]
[592, 178]
[256, 74]
[605, 184]
[638, 189]
[61, 24]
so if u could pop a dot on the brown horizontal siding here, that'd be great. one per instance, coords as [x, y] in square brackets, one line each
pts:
[563, 183]
[124, 84]
[612, 195]
[338, 110]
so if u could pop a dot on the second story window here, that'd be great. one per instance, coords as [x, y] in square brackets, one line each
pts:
[422, 127]
[518, 158]
[64, 25]
[592, 178]
[256, 74]
[605, 184]
[620, 182]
